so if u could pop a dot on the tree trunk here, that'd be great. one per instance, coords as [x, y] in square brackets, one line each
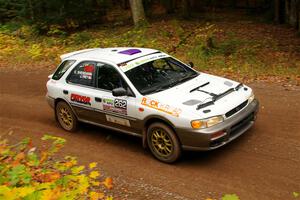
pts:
[170, 6]
[293, 13]
[137, 11]
[31, 12]
[277, 11]
[298, 15]
[287, 11]
[186, 9]
[299, 20]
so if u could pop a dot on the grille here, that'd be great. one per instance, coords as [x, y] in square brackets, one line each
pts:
[236, 109]
[240, 125]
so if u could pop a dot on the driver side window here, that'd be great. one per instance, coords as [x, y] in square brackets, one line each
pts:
[108, 78]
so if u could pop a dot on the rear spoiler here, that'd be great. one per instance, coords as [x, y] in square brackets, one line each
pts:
[64, 56]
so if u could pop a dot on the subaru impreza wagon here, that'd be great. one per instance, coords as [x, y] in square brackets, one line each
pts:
[152, 95]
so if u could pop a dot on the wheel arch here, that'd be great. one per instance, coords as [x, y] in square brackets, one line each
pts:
[61, 99]
[152, 119]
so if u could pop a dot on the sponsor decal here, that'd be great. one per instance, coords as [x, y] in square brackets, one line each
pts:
[128, 66]
[89, 68]
[115, 105]
[87, 72]
[117, 120]
[85, 75]
[161, 107]
[81, 99]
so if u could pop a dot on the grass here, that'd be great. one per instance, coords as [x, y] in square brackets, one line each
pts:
[236, 49]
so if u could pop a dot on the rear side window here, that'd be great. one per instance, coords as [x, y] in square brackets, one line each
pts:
[64, 66]
[83, 74]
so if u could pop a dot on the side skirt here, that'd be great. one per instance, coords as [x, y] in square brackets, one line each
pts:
[112, 128]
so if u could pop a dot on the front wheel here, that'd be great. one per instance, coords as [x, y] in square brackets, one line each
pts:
[65, 116]
[163, 142]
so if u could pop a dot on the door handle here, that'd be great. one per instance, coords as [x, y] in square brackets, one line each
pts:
[65, 91]
[98, 99]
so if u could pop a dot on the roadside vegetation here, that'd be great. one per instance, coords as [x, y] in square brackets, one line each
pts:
[28, 172]
[244, 50]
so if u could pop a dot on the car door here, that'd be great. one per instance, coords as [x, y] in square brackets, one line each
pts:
[117, 112]
[80, 91]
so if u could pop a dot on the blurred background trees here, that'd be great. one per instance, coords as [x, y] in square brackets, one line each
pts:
[74, 14]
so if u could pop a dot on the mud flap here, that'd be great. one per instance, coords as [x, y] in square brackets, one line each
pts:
[145, 144]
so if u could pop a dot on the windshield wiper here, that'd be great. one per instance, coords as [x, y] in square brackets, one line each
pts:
[182, 80]
[172, 84]
[219, 96]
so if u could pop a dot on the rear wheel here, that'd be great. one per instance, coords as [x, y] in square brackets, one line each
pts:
[163, 142]
[65, 116]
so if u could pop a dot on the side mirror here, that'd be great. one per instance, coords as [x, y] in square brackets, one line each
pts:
[117, 92]
[191, 64]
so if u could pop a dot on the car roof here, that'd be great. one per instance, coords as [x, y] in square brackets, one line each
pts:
[116, 55]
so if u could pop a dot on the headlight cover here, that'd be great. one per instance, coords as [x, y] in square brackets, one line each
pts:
[251, 97]
[205, 123]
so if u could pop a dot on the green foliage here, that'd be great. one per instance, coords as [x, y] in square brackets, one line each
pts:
[230, 197]
[28, 173]
[80, 38]
[223, 52]
[296, 194]
[44, 13]
[9, 27]
[35, 51]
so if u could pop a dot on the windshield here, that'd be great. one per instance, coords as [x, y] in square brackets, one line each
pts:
[160, 74]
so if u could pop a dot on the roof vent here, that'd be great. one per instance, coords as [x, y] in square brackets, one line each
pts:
[130, 51]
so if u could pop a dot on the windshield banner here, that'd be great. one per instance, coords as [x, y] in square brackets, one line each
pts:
[132, 64]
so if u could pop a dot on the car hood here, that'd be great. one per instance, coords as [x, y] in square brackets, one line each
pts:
[184, 98]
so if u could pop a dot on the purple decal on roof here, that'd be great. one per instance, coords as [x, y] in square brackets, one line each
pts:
[130, 51]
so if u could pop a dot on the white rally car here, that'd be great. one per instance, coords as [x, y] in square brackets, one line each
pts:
[147, 93]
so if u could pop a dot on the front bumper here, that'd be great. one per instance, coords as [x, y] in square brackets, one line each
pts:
[233, 127]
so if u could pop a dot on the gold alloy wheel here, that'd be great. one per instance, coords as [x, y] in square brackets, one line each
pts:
[65, 117]
[161, 142]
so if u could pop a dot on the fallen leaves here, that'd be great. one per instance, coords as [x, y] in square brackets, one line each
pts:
[94, 174]
[27, 173]
[108, 183]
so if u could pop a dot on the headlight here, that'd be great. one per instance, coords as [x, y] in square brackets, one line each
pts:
[205, 123]
[251, 98]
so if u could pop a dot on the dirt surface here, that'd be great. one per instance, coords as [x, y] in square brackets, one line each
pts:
[262, 164]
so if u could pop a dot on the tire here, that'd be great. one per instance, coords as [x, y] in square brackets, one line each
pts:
[65, 117]
[163, 143]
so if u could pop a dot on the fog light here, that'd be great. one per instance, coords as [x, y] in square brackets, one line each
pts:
[218, 135]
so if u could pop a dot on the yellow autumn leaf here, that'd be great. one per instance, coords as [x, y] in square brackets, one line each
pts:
[6, 193]
[96, 195]
[83, 184]
[92, 165]
[109, 198]
[77, 169]
[24, 191]
[94, 174]
[47, 195]
[95, 183]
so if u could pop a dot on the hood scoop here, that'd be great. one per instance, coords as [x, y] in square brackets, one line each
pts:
[191, 102]
[228, 83]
